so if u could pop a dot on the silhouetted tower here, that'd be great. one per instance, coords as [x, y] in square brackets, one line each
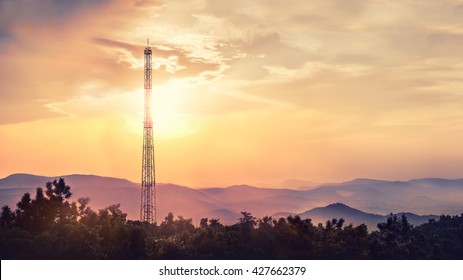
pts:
[148, 182]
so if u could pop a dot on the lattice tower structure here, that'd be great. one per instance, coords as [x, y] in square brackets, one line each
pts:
[148, 180]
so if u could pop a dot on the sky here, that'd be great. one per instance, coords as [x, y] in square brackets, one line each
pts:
[244, 92]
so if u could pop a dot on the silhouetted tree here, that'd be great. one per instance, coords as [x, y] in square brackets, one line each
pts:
[50, 226]
[247, 222]
[7, 217]
[393, 239]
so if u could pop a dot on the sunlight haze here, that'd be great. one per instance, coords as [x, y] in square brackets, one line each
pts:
[244, 92]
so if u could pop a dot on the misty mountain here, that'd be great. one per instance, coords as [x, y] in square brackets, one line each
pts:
[419, 196]
[339, 210]
[357, 217]
[290, 184]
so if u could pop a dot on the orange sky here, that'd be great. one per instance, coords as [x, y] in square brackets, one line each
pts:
[244, 91]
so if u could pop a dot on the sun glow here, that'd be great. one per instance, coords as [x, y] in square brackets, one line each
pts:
[168, 109]
[236, 97]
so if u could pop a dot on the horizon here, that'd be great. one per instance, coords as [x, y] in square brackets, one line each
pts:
[376, 198]
[268, 185]
[253, 93]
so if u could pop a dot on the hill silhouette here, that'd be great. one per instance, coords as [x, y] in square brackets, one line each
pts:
[357, 217]
[374, 198]
[49, 225]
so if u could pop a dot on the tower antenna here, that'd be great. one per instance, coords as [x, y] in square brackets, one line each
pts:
[148, 181]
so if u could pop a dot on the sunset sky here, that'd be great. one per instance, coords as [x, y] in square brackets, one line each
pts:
[244, 91]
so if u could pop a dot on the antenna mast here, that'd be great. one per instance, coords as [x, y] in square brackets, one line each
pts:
[148, 181]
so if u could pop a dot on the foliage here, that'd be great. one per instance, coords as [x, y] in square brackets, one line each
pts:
[50, 226]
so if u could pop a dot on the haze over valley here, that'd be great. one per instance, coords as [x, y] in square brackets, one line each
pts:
[358, 201]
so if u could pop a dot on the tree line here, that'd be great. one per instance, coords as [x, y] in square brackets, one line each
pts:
[51, 226]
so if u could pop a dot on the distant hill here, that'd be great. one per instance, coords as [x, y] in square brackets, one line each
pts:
[357, 217]
[372, 198]
[421, 196]
[339, 210]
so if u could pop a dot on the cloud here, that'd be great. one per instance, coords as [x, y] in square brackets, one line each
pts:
[50, 56]
[344, 81]
[269, 43]
[40, 12]
[186, 65]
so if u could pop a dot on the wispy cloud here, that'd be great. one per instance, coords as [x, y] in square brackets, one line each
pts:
[345, 82]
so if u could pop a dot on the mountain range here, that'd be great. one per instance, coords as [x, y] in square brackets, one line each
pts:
[370, 201]
[357, 217]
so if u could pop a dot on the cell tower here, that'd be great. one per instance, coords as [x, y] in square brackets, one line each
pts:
[148, 182]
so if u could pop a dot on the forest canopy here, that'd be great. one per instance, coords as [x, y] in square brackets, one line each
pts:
[52, 226]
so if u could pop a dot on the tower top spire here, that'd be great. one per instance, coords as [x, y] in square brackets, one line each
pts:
[147, 48]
